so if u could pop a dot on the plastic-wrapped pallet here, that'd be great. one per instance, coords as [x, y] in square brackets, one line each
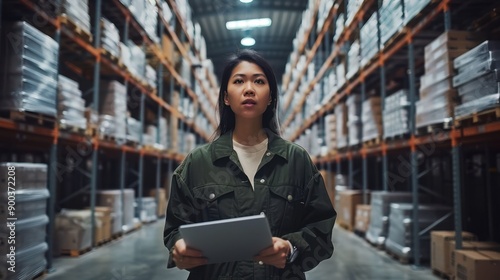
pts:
[110, 37]
[150, 76]
[354, 118]
[396, 114]
[400, 238]
[413, 8]
[29, 176]
[148, 209]
[30, 263]
[128, 209]
[339, 27]
[150, 20]
[324, 9]
[29, 203]
[73, 230]
[137, 60]
[134, 130]
[71, 107]
[478, 78]
[112, 199]
[342, 129]
[341, 76]
[379, 216]
[437, 96]
[29, 70]
[353, 59]
[371, 118]
[113, 109]
[78, 12]
[369, 41]
[391, 19]
[351, 10]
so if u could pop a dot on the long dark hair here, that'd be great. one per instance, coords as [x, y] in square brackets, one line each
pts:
[226, 115]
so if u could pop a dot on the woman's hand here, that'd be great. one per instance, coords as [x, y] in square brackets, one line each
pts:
[186, 258]
[276, 254]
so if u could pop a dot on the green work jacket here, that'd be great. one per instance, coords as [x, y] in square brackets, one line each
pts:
[210, 185]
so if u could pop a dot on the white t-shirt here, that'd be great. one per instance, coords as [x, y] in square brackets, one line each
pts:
[250, 157]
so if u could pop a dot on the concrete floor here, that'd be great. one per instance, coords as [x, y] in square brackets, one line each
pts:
[141, 255]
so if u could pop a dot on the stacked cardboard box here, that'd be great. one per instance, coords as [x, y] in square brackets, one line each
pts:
[371, 117]
[73, 230]
[470, 246]
[110, 37]
[437, 96]
[478, 78]
[348, 200]
[396, 114]
[113, 109]
[477, 265]
[362, 220]
[441, 250]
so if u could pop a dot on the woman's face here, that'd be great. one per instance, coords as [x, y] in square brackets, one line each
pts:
[248, 91]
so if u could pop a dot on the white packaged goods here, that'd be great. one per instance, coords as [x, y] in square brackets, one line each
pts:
[396, 114]
[478, 78]
[354, 118]
[352, 8]
[29, 203]
[29, 72]
[371, 118]
[339, 27]
[369, 39]
[413, 8]
[150, 20]
[148, 209]
[71, 107]
[78, 12]
[134, 130]
[128, 209]
[331, 132]
[353, 59]
[113, 109]
[137, 60]
[28, 175]
[324, 9]
[342, 129]
[110, 37]
[391, 19]
[151, 76]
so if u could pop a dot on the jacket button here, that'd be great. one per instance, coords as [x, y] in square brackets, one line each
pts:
[268, 154]
[262, 181]
[261, 262]
[211, 196]
[262, 213]
[290, 197]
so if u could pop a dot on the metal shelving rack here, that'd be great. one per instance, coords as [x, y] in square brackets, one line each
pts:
[52, 138]
[449, 139]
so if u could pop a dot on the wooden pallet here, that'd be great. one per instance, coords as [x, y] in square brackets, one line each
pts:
[441, 275]
[72, 129]
[433, 128]
[402, 260]
[372, 142]
[75, 253]
[478, 118]
[91, 130]
[30, 118]
[396, 37]
[77, 30]
[112, 58]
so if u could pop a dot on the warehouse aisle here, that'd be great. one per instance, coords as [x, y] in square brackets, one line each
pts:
[141, 255]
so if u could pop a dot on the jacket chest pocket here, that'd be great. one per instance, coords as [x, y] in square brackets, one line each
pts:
[286, 205]
[215, 202]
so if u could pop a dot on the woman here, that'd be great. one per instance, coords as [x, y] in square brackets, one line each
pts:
[246, 171]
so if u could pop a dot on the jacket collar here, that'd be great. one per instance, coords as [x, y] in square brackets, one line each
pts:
[223, 146]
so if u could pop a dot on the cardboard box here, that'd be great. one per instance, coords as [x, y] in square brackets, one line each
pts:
[104, 215]
[348, 200]
[477, 265]
[472, 246]
[168, 48]
[161, 198]
[362, 220]
[441, 249]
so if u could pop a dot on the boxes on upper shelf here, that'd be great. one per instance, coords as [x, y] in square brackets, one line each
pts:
[371, 118]
[354, 118]
[78, 12]
[369, 40]
[436, 92]
[353, 59]
[71, 107]
[342, 128]
[396, 114]
[391, 19]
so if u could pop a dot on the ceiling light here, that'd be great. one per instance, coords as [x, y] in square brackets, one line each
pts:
[248, 41]
[246, 1]
[248, 23]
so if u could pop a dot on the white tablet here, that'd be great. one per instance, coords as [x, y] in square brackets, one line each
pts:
[237, 239]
